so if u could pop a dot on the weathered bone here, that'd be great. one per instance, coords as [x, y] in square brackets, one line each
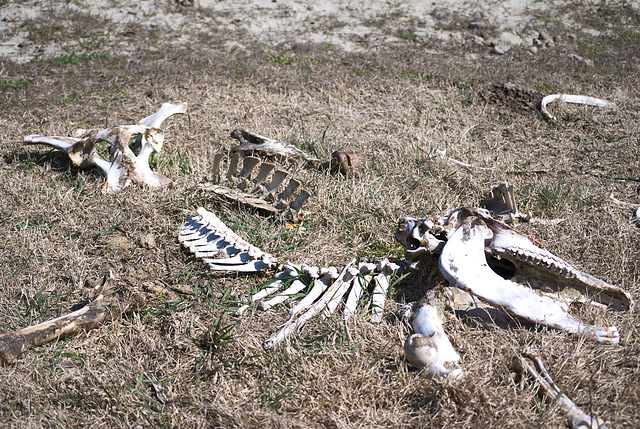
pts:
[222, 249]
[553, 394]
[576, 99]
[123, 166]
[108, 303]
[466, 235]
[258, 192]
[252, 144]
[429, 347]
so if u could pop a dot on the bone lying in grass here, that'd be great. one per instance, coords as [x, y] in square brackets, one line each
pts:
[253, 144]
[123, 166]
[109, 303]
[576, 99]
[467, 238]
[429, 347]
[259, 185]
[219, 247]
[531, 364]
[327, 289]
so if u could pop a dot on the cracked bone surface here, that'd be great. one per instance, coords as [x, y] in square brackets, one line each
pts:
[429, 347]
[532, 364]
[220, 248]
[109, 302]
[467, 238]
[123, 166]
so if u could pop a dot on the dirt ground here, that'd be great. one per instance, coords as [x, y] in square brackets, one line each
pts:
[392, 81]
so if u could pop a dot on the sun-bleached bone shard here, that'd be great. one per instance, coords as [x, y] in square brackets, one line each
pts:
[123, 166]
[464, 264]
[576, 99]
[205, 233]
[429, 347]
[532, 364]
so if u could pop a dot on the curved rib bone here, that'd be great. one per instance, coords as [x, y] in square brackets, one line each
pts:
[123, 167]
[430, 347]
[463, 263]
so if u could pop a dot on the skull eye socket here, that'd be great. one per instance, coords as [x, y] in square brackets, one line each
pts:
[502, 267]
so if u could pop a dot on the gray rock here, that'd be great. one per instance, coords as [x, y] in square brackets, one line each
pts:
[500, 49]
[532, 49]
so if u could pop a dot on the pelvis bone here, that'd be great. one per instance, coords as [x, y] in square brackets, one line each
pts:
[468, 238]
[123, 166]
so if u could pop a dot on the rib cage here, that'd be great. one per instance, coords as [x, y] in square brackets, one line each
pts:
[265, 190]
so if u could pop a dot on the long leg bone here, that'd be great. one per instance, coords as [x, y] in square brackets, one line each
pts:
[108, 304]
[123, 167]
[552, 393]
[463, 263]
[430, 347]
[576, 99]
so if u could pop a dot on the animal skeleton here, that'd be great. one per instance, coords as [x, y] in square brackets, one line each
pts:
[208, 237]
[123, 166]
[466, 238]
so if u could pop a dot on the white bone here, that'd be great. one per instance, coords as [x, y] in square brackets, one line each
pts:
[360, 285]
[347, 282]
[123, 167]
[463, 263]
[553, 394]
[295, 287]
[430, 347]
[205, 234]
[319, 286]
[576, 99]
[295, 324]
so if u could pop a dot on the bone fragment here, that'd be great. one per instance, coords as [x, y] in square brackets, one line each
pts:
[206, 233]
[533, 265]
[123, 167]
[463, 263]
[531, 363]
[347, 282]
[360, 285]
[320, 285]
[443, 154]
[295, 324]
[381, 286]
[576, 99]
[251, 143]
[108, 304]
[622, 203]
[430, 347]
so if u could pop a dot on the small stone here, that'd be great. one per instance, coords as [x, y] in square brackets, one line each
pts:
[148, 241]
[533, 49]
[544, 36]
[536, 42]
[500, 49]
[549, 43]
[572, 37]
[478, 40]
[556, 39]
[476, 25]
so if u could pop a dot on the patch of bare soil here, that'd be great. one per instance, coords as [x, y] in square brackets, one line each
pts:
[393, 82]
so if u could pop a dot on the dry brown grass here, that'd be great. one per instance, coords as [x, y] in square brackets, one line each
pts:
[395, 108]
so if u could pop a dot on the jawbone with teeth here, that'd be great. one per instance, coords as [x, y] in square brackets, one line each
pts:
[468, 238]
